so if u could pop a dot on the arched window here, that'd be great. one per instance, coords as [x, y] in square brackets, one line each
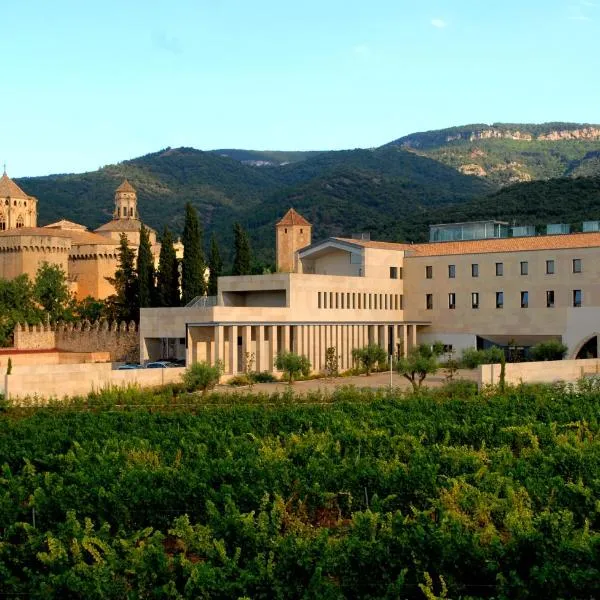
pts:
[20, 222]
[2, 223]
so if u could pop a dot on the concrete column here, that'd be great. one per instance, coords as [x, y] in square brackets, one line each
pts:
[317, 344]
[384, 339]
[233, 349]
[286, 338]
[404, 340]
[219, 345]
[261, 363]
[273, 349]
[246, 345]
[413, 338]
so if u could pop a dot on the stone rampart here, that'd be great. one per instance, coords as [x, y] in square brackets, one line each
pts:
[120, 340]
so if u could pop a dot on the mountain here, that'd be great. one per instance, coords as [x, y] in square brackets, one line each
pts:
[339, 191]
[506, 153]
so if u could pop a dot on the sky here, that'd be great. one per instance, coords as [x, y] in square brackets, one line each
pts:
[88, 84]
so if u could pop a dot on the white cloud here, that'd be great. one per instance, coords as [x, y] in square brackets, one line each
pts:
[439, 23]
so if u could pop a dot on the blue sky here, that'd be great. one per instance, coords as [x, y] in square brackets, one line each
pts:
[92, 83]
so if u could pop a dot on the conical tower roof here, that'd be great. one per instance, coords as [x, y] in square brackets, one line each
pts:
[291, 217]
[126, 187]
[9, 189]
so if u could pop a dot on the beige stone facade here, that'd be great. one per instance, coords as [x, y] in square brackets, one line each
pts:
[87, 258]
[346, 293]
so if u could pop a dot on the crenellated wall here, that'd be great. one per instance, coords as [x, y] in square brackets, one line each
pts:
[119, 340]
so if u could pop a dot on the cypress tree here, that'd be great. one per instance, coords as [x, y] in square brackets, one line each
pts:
[193, 267]
[167, 292]
[126, 299]
[215, 266]
[242, 257]
[145, 270]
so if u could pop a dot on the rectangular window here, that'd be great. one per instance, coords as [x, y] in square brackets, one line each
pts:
[475, 300]
[337, 300]
[359, 301]
[524, 267]
[474, 270]
[370, 301]
[319, 299]
[380, 301]
[401, 301]
[451, 271]
[347, 299]
[386, 299]
[451, 300]
[429, 301]
[577, 298]
[524, 299]
[401, 273]
[576, 265]
[376, 306]
[353, 300]
[330, 299]
[342, 300]
[429, 271]
[499, 269]
[393, 272]
[499, 299]
[396, 302]
[550, 298]
[549, 267]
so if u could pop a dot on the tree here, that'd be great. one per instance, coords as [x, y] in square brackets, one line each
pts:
[145, 271]
[89, 309]
[51, 291]
[331, 362]
[292, 365]
[550, 350]
[420, 362]
[192, 277]
[215, 266]
[369, 356]
[167, 281]
[124, 304]
[202, 376]
[242, 256]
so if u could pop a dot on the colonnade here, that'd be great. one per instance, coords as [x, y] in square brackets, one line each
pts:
[259, 344]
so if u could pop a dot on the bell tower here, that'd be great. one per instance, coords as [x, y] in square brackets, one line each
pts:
[293, 232]
[125, 202]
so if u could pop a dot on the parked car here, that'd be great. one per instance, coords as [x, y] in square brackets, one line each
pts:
[159, 364]
[128, 367]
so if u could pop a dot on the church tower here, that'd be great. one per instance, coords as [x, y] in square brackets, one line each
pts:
[125, 202]
[293, 232]
[17, 209]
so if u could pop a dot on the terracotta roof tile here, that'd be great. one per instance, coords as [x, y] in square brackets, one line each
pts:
[518, 244]
[9, 189]
[126, 187]
[291, 217]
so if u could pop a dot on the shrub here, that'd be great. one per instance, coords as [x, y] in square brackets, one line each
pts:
[420, 362]
[240, 380]
[292, 365]
[369, 356]
[472, 358]
[263, 377]
[202, 376]
[550, 350]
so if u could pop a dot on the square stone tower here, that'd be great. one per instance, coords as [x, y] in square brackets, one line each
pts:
[293, 232]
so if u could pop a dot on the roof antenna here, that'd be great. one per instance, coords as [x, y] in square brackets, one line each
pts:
[4, 167]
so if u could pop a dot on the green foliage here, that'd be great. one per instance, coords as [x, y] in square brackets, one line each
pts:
[167, 280]
[9, 366]
[124, 304]
[193, 266]
[471, 357]
[51, 291]
[242, 259]
[202, 376]
[422, 360]
[550, 350]
[369, 356]
[145, 271]
[360, 494]
[293, 365]
[17, 305]
[89, 309]
[331, 362]
[215, 266]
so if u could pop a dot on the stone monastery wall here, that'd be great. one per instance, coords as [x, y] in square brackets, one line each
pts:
[120, 340]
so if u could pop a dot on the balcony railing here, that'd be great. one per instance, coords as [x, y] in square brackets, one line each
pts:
[202, 302]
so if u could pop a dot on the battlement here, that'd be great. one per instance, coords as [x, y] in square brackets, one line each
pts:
[119, 339]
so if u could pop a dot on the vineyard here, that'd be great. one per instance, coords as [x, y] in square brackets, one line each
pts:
[443, 493]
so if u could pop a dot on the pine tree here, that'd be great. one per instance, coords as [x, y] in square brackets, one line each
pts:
[145, 270]
[167, 292]
[124, 304]
[242, 258]
[215, 266]
[192, 276]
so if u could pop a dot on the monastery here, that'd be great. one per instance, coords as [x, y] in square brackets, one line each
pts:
[86, 257]
[473, 285]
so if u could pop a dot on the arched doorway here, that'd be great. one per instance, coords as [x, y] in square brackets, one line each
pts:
[589, 349]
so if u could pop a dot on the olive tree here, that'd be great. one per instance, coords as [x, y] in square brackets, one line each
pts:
[202, 376]
[422, 360]
[292, 365]
[369, 356]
